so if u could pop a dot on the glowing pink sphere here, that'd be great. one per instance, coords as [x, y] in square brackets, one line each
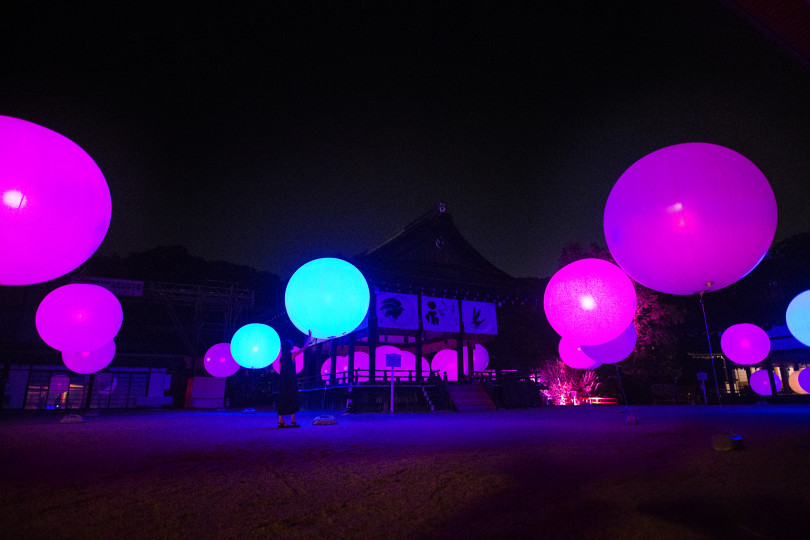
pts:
[614, 350]
[219, 362]
[54, 204]
[446, 361]
[79, 317]
[480, 358]
[745, 344]
[89, 361]
[690, 217]
[573, 356]
[298, 359]
[761, 385]
[590, 301]
[342, 372]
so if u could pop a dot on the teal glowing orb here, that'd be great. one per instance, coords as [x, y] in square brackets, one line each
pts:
[255, 346]
[798, 317]
[327, 296]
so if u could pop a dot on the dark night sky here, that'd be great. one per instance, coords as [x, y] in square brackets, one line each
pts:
[274, 135]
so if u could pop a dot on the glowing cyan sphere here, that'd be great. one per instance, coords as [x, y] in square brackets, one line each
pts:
[219, 362]
[793, 382]
[573, 356]
[761, 385]
[54, 204]
[804, 379]
[745, 344]
[614, 350]
[328, 296]
[798, 317]
[89, 361]
[79, 317]
[255, 346]
[690, 217]
[298, 359]
[590, 301]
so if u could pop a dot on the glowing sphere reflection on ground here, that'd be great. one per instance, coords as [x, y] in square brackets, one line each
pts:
[89, 361]
[690, 214]
[573, 356]
[745, 344]
[328, 296]
[219, 362]
[798, 317]
[255, 346]
[590, 301]
[614, 350]
[54, 204]
[761, 385]
[79, 317]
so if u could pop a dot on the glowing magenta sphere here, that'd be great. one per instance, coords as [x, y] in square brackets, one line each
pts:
[798, 317]
[761, 385]
[745, 344]
[614, 350]
[804, 379]
[446, 361]
[590, 301]
[89, 361]
[480, 358]
[255, 346]
[328, 296]
[573, 356]
[54, 204]
[219, 362]
[298, 359]
[79, 317]
[690, 217]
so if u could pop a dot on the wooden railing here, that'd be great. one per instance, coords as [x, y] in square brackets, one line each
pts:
[363, 377]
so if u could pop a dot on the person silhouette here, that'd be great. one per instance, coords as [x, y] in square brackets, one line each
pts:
[288, 387]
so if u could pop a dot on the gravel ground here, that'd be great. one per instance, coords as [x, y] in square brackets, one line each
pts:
[558, 472]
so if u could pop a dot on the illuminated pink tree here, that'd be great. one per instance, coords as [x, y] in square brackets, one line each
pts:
[566, 385]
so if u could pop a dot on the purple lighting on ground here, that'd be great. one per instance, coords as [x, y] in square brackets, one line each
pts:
[590, 301]
[56, 204]
[761, 385]
[79, 317]
[89, 361]
[745, 344]
[690, 217]
[219, 362]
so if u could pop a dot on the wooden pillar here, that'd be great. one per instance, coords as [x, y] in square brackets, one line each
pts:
[372, 336]
[333, 361]
[418, 345]
[771, 374]
[460, 345]
[352, 378]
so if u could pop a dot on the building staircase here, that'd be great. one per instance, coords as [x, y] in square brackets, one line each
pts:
[470, 398]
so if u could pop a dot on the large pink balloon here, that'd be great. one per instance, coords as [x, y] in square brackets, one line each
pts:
[89, 361]
[54, 204]
[690, 217]
[590, 301]
[446, 361]
[573, 356]
[745, 344]
[614, 350]
[218, 361]
[761, 385]
[480, 358]
[79, 317]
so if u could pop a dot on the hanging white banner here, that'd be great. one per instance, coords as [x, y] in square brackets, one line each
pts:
[396, 310]
[440, 314]
[479, 317]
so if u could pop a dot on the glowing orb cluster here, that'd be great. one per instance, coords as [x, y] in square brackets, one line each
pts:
[255, 346]
[328, 296]
[298, 359]
[89, 361]
[573, 356]
[590, 301]
[798, 317]
[79, 317]
[614, 350]
[219, 362]
[745, 344]
[761, 385]
[54, 204]
[690, 217]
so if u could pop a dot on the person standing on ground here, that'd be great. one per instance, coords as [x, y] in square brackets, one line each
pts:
[288, 388]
